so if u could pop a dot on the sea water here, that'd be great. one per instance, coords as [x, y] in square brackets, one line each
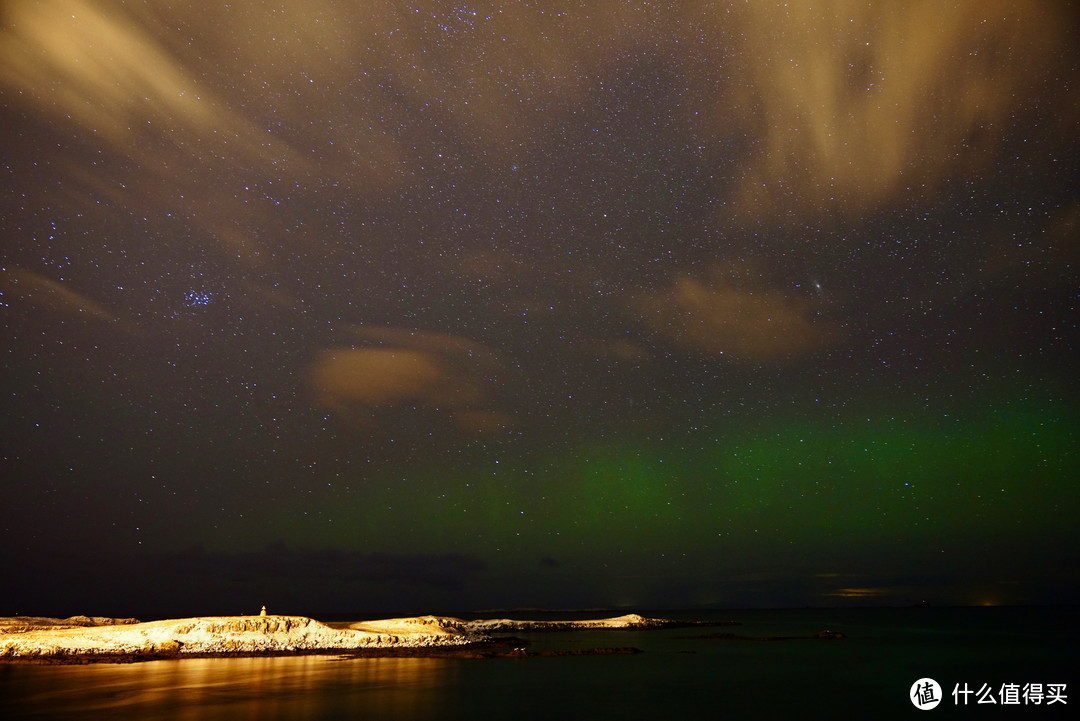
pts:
[680, 674]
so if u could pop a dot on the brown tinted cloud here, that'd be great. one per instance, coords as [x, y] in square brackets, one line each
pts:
[841, 105]
[857, 104]
[375, 377]
[401, 368]
[736, 316]
[33, 290]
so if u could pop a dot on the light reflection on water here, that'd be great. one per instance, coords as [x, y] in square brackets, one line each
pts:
[256, 688]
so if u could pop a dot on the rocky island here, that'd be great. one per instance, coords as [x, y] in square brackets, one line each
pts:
[83, 639]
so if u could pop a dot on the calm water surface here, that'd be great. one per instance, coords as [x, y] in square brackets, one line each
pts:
[679, 675]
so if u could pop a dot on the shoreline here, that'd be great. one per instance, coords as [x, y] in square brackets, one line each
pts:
[82, 640]
[479, 649]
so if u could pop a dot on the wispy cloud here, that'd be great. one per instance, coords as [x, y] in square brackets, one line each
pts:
[394, 367]
[738, 317]
[861, 104]
[57, 298]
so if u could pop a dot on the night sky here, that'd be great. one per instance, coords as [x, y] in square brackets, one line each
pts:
[437, 306]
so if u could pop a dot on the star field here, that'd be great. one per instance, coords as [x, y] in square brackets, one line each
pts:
[565, 303]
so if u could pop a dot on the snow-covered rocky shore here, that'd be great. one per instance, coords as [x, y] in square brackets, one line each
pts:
[629, 621]
[233, 635]
[75, 640]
